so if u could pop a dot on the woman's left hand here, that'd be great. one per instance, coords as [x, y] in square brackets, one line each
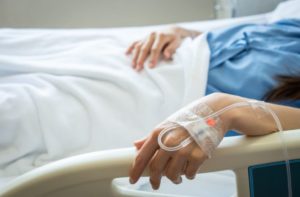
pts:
[185, 161]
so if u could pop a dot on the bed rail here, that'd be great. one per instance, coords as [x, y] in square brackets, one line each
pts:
[92, 174]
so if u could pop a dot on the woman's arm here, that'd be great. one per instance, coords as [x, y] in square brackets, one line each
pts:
[188, 160]
[163, 42]
[250, 122]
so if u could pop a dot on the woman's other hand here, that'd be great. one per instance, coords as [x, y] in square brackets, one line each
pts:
[156, 44]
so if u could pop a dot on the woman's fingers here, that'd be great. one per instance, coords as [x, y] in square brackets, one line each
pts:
[192, 169]
[144, 52]
[157, 166]
[175, 168]
[170, 49]
[143, 157]
[131, 47]
[194, 162]
[160, 41]
[172, 164]
[136, 53]
[139, 143]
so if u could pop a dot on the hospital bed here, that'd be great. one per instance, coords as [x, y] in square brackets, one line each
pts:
[100, 173]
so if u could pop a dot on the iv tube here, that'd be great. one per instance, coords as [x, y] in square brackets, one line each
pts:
[217, 113]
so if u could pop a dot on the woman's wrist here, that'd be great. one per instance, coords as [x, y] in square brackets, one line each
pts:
[247, 120]
[218, 101]
[184, 33]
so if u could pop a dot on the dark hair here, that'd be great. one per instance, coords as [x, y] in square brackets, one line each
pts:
[288, 89]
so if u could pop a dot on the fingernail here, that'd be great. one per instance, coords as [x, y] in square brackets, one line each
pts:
[178, 180]
[151, 65]
[155, 187]
[131, 181]
[190, 177]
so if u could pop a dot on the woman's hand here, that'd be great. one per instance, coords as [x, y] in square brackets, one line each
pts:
[185, 161]
[249, 121]
[171, 164]
[157, 43]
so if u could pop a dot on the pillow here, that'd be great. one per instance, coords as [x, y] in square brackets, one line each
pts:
[285, 10]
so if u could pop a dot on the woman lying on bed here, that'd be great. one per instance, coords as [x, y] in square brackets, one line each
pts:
[247, 62]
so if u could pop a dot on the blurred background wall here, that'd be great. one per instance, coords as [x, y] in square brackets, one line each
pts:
[101, 13]
[112, 13]
[250, 7]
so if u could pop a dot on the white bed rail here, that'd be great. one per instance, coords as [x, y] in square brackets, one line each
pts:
[92, 174]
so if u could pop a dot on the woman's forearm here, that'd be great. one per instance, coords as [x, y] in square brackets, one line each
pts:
[263, 123]
[256, 121]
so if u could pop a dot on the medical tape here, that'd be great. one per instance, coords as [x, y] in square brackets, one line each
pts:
[206, 132]
[205, 128]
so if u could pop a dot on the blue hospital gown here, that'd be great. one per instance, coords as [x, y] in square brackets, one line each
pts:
[245, 59]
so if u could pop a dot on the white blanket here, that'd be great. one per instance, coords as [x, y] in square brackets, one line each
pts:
[66, 92]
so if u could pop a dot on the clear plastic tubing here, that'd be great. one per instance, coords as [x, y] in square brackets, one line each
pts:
[229, 107]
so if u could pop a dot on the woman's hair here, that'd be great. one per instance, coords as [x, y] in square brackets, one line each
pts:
[288, 89]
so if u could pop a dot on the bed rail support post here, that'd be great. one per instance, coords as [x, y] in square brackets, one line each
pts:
[242, 182]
